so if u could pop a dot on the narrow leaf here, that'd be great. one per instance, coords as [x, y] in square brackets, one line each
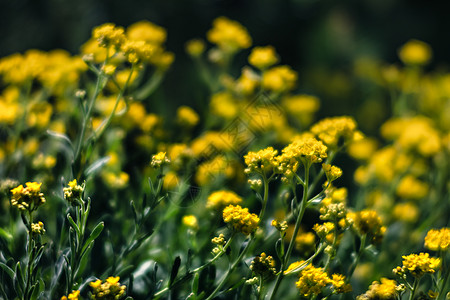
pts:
[94, 234]
[7, 270]
[175, 269]
[96, 166]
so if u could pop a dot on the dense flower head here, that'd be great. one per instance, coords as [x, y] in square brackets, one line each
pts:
[264, 161]
[384, 290]
[419, 264]
[410, 187]
[195, 47]
[38, 228]
[415, 52]
[305, 243]
[110, 289]
[332, 172]
[190, 221]
[210, 170]
[368, 222]
[220, 199]
[438, 239]
[279, 79]
[312, 280]
[73, 191]
[240, 219]
[324, 229]
[301, 151]
[29, 197]
[302, 107]
[339, 284]
[159, 160]
[280, 226]
[147, 31]
[331, 130]
[263, 265]
[74, 295]
[109, 34]
[263, 57]
[186, 116]
[229, 35]
[137, 51]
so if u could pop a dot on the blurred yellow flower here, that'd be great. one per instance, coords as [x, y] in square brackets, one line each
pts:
[415, 52]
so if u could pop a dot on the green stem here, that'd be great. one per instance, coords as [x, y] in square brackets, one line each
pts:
[414, 288]
[285, 259]
[358, 257]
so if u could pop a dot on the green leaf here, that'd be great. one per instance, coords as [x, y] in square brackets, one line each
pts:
[6, 235]
[94, 234]
[74, 225]
[133, 210]
[175, 268]
[19, 280]
[7, 270]
[83, 259]
[96, 166]
[61, 137]
[195, 283]
[279, 249]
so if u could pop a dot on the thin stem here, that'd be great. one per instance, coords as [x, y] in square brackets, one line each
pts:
[358, 257]
[285, 259]
[414, 288]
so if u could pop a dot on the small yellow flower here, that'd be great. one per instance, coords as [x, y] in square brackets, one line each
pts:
[386, 290]
[28, 198]
[415, 52]
[312, 280]
[438, 239]
[186, 116]
[159, 160]
[279, 79]
[74, 295]
[263, 57]
[332, 172]
[368, 222]
[419, 264]
[240, 219]
[109, 289]
[263, 161]
[220, 199]
[190, 221]
[109, 69]
[195, 47]
[108, 35]
[38, 228]
[73, 192]
[229, 35]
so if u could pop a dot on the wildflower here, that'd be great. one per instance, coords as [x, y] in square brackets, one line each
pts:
[74, 295]
[116, 180]
[324, 229]
[211, 170]
[224, 105]
[159, 160]
[302, 107]
[220, 199]
[110, 289]
[263, 57]
[412, 188]
[108, 35]
[295, 267]
[368, 222]
[415, 52]
[407, 212]
[263, 265]
[147, 31]
[419, 264]
[73, 192]
[37, 228]
[362, 149]
[281, 227]
[195, 47]
[240, 219]
[331, 130]
[263, 161]
[312, 280]
[28, 198]
[229, 35]
[333, 211]
[305, 243]
[339, 284]
[109, 69]
[137, 51]
[220, 240]
[279, 79]
[190, 221]
[186, 116]
[332, 172]
[386, 290]
[438, 239]
[247, 82]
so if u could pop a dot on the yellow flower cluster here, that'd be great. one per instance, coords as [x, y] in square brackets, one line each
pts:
[279, 79]
[73, 191]
[302, 107]
[368, 222]
[74, 295]
[419, 264]
[302, 150]
[140, 43]
[208, 171]
[332, 130]
[312, 280]
[305, 243]
[280, 226]
[438, 239]
[263, 57]
[190, 221]
[264, 161]
[263, 265]
[332, 172]
[159, 160]
[37, 228]
[415, 52]
[386, 290]
[187, 117]
[29, 197]
[195, 47]
[240, 219]
[111, 289]
[412, 188]
[220, 199]
[229, 35]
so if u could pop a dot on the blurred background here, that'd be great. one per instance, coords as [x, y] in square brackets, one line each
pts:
[321, 40]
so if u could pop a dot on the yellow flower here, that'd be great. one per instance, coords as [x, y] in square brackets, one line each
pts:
[412, 188]
[279, 79]
[263, 265]
[73, 191]
[186, 116]
[108, 35]
[110, 289]
[305, 242]
[190, 221]
[264, 161]
[195, 47]
[438, 239]
[38, 228]
[109, 69]
[28, 198]
[368, 222]
[229, 35]
[407, 212]
[224, 105]
[240, 219]
[295, 267]
[339, 284]
[386, 290]
[212, 169]
[331, 130]
[362, 149]
[74, 295]
[415, 52]
[263, 57]
[159, 160]
[147, 31]
[302, 107]
[138, 51]
[312, 280]
[220, 199]
[419, 264]
[332, 172]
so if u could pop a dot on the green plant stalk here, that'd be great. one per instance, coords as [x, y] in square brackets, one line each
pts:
[333, 245]
[414, 288]
[446, 272]
[294, 234]
[358, 257]
[30, 257]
